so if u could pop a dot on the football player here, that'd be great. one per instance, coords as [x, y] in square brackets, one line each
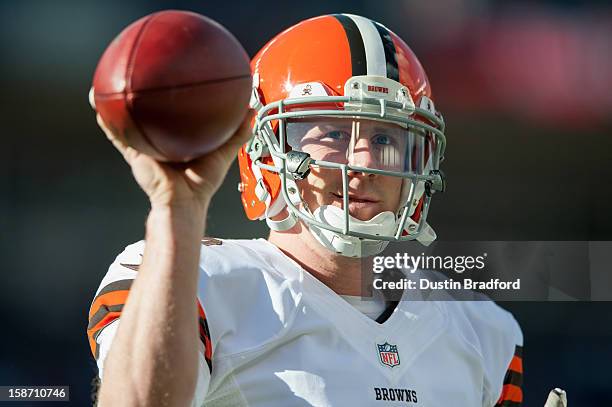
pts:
[341, 158]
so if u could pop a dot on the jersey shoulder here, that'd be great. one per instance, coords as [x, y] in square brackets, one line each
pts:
[487, 320]
[111, 294]
[224, 256]
[493, 333]
[249, 292]
[125, 266]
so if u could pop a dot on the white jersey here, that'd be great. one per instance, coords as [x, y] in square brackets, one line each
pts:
[273, 335]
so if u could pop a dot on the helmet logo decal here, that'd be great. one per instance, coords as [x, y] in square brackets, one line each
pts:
[307, 91]
[379, 89]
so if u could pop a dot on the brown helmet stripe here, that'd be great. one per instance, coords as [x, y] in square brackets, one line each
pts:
[355, 40]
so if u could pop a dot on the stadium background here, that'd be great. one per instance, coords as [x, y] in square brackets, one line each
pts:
[525, 89]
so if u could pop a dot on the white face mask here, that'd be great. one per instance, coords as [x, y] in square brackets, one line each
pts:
[358, 132]
[362, 143]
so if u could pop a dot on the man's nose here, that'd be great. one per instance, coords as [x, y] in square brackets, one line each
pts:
[361, 156]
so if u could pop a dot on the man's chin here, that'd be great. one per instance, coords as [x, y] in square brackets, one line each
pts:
[363, 210]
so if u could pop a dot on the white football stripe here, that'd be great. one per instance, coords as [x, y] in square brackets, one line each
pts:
[375, 52]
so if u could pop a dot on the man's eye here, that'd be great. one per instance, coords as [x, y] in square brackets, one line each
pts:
[337, 135]
[381, 139]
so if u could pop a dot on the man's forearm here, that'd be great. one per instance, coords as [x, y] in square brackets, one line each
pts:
[154, 357]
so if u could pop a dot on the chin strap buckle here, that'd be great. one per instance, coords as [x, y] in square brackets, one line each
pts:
[298, 164]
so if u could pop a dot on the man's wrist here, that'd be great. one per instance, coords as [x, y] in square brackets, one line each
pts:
[173, 236]
[186, 219]
[188, 210]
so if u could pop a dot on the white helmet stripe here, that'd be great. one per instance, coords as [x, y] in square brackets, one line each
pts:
[390, 51]
[374, 48]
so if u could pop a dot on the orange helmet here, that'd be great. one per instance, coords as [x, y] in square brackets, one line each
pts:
[347, 66]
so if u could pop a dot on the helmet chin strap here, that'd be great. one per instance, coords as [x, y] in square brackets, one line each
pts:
[283, 224]
[427, 235]
[351, 246]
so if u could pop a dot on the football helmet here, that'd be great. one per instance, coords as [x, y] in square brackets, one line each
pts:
[347, 69]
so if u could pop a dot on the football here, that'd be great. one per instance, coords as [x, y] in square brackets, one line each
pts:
[174, 85]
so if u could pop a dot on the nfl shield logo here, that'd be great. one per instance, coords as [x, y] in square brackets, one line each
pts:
[388, 354]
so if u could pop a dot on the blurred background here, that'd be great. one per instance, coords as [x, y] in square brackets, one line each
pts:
[525, 88]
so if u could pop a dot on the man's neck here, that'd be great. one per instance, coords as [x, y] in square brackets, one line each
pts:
[342, 274]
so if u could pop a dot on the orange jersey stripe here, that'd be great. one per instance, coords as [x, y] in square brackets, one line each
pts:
[110, 298]
[92, 332]
[510, 392]
[516, 364]
[108, 305]
[201, 311]
[106, 308]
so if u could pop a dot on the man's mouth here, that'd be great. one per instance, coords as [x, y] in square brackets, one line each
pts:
[357, 198]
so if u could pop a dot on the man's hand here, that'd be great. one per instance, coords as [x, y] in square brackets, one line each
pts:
[183, 184]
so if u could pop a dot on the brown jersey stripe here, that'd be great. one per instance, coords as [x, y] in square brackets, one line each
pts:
[93, 333]
[518, 351]
[508, 403]
[120, 288]
[134, 267]
[103, 310]
[205, 336]
[512, 393]
[108, 299]
[207, 347]
[514, 378]
[118, 285]
[106, 308]
[108, 305]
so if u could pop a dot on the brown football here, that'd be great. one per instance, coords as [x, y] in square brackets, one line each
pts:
[174, 84]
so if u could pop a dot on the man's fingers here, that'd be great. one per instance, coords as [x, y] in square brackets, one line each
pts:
[211, 168]
[126, 151]
[245, 131]
[241, 135]
[104, 127]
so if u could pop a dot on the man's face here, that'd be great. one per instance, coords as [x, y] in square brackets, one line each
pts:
[363, 143]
